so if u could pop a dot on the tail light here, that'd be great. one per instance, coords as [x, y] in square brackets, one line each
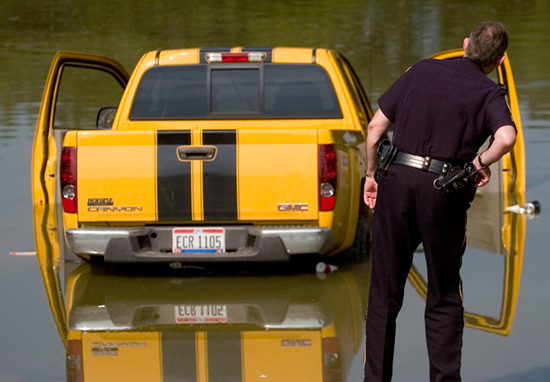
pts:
[68, 179]
[332, 364]
[74, 364]
[217, 57]
[328, 173]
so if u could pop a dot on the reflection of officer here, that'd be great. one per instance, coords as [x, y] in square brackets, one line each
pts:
[442, 111]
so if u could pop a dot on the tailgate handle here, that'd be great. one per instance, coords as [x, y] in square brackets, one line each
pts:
[196, 152]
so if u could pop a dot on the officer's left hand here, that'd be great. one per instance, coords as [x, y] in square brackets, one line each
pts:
[370, 191]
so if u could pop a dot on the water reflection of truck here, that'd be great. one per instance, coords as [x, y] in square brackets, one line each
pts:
[217, 328]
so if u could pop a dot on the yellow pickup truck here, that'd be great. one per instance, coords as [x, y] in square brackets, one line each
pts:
[229, 154]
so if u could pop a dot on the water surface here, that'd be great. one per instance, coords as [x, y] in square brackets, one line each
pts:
[381, 39]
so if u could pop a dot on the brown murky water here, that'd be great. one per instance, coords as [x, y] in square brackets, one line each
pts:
[318, 321]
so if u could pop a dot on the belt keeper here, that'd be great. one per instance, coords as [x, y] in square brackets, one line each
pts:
[426, 163]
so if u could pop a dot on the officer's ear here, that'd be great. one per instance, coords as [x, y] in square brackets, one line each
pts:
[501, 59]
[465, 44]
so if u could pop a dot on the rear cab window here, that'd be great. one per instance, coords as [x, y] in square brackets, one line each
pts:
[266, 91]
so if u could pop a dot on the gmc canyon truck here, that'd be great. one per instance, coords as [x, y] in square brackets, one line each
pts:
[241, 154]
[228, 154]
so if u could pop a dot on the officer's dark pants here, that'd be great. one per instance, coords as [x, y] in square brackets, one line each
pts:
[408, 211]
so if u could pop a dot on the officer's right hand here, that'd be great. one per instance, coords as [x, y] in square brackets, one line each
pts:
[483, 177]
[370, 191]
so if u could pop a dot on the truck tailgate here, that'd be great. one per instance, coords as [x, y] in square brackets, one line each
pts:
[197, 176]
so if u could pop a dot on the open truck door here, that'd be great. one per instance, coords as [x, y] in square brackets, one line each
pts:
[70, 101]
[66, 104]
[490, 228]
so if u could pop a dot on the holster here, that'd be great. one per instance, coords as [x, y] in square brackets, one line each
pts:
[386, 155]
[457, 178]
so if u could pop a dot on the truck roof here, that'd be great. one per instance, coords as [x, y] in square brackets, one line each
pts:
[239, 53]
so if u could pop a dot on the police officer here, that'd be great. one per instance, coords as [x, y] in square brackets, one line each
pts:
[442, 111]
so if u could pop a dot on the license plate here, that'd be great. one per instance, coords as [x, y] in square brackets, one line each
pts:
[207, 240]
[201, 314]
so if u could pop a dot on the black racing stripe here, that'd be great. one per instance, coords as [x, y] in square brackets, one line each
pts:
[224, 356]
[208, 50]
[173, 177]
[220, 176]
[268, 51]
[179, 358]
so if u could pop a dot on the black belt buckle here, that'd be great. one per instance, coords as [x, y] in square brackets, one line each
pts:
[426, 163]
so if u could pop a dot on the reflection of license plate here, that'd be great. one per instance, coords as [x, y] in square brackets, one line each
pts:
[198, 240]
[201, 314]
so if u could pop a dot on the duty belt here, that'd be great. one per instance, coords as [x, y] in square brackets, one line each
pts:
[423, 163]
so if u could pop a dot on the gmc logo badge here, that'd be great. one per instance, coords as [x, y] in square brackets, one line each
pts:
[288, 207]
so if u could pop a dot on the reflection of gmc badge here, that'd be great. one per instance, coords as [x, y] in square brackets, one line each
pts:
[288, 207]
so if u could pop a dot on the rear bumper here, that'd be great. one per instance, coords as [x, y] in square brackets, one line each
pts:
[154, 244]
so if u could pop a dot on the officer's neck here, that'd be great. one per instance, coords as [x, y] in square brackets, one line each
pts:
[487, 69]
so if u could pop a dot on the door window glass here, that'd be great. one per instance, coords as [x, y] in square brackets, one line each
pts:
[82, 93]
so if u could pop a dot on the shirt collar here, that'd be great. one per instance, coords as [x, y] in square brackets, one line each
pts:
[472, 64]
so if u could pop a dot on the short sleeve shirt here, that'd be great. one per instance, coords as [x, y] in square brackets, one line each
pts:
[445, 109]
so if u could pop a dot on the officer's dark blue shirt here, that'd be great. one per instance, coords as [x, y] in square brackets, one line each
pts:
[445, 109]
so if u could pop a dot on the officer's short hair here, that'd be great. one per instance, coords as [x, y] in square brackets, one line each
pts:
[488, 41]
